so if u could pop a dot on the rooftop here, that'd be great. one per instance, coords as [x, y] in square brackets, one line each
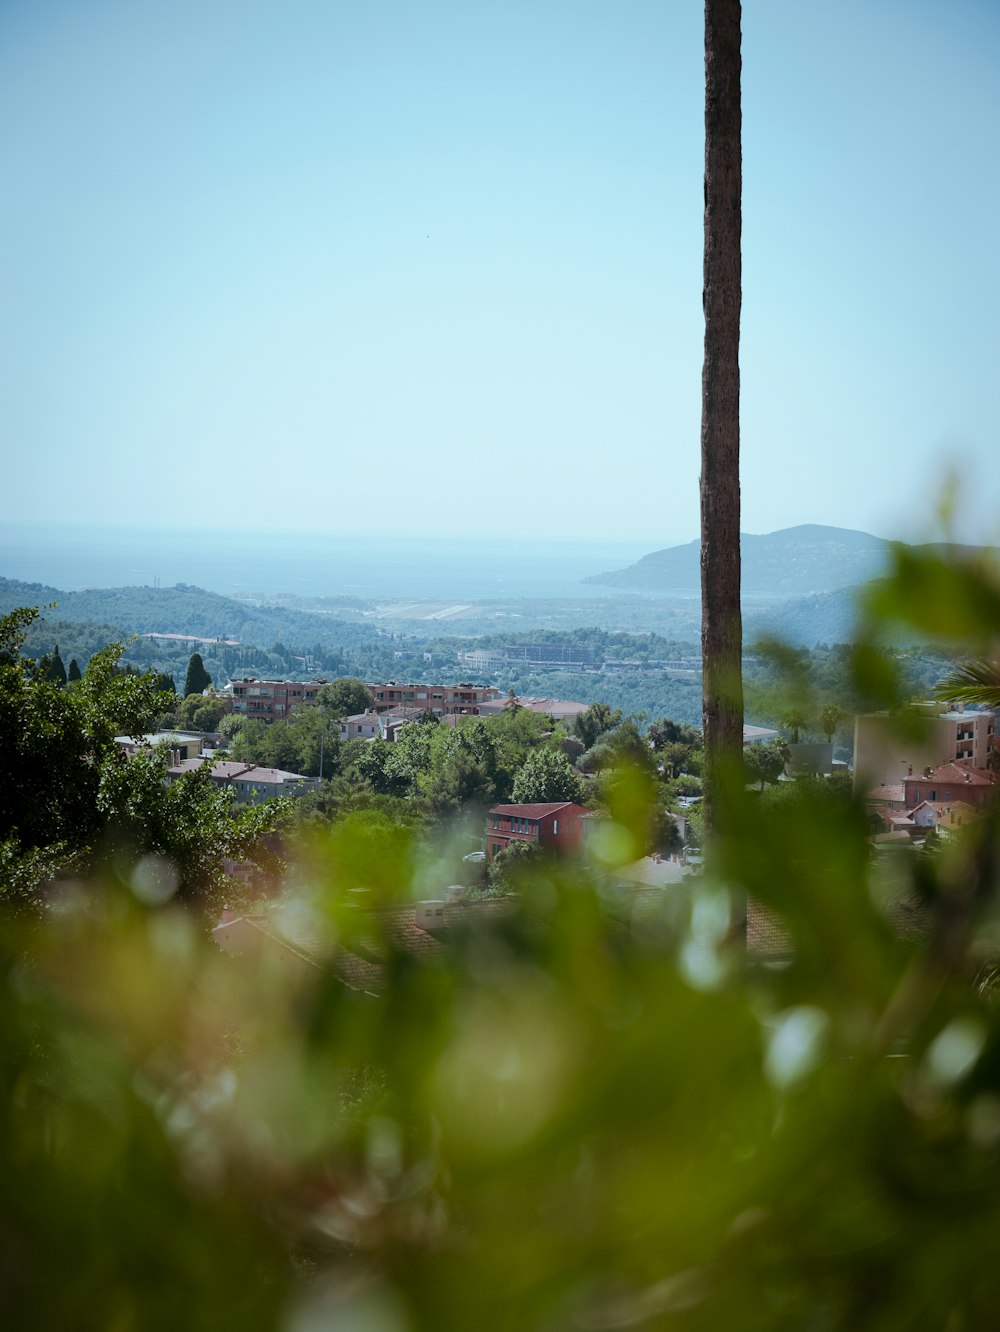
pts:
[536, 811]
[959, 773]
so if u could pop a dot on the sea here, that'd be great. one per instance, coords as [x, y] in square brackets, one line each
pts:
[234, 563]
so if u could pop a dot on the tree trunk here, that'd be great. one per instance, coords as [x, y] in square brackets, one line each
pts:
[722, 630]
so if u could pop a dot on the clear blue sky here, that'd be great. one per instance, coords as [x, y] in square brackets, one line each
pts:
[437, 266]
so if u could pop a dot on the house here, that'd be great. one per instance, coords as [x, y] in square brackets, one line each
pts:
[557, 825]
[361, 726]
[890, 799]
[944, 818]
[564, 710]
[181, 744]
[248, 782]
[951, 782]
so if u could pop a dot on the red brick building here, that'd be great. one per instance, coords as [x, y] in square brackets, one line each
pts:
[958, 781]
[558, 825]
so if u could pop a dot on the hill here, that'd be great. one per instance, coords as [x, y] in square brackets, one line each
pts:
[793, 562]
[184, 609]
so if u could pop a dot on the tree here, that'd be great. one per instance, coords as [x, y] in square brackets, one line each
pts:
[77, 798]
[73, 673]
[829, 720]
[546, 775]
[200, 713]
[598, 719]
[766, 762]
[465, 767]
[51, 667]
[722, 631]
[664, 732]
[622, 746]
[345, 697]
[511, 866]
[197, 679]
[677, 757]
[794, 721]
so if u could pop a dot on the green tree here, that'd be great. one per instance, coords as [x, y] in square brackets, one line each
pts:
[199, 712]
[663, 732]
[546, 775]
[197, 679]
[624, 745]
[77, 799]
[51, 667]
[465, 768]
[598, 719]
[795, 722]
[829, 719]
[345, 697]
[765, 762]
[511, 867]
[375, 765]
[73, 673]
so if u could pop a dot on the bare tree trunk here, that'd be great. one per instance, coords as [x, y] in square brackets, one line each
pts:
[722, 629]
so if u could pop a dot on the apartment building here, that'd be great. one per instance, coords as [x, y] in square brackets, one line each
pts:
[460, 699]
[936, 736]
[269, 700]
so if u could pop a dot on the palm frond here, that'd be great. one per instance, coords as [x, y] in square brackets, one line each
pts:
[973, 682]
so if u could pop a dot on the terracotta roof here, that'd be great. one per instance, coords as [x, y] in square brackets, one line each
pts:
[895, 794]
[960, 772]
[360, 961]
[535, 811]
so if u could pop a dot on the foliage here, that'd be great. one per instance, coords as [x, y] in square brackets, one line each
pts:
[830, 717]
[591, 725]
[308, 741]
[976, 682]
[579, 1109]
[199, 712]
[197, 679]
[466, 767]
[765, 762]
[512, 866]
[77, 800]
[546, 775]
[345, 697]
[51, 667]
[624, 744]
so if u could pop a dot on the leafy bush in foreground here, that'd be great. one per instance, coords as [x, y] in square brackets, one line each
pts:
[583, 1109]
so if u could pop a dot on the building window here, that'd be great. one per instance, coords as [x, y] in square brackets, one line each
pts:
[555, 827]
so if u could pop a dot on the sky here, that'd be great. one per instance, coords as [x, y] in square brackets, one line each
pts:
[436, 267]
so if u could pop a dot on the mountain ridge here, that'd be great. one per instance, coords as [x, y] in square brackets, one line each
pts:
[805, 560]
